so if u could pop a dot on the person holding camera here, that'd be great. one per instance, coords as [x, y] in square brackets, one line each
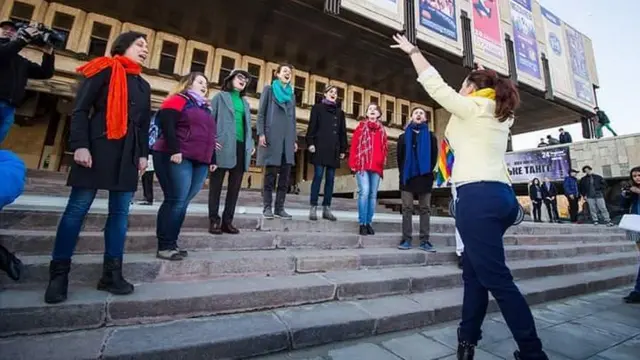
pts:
[15, 70]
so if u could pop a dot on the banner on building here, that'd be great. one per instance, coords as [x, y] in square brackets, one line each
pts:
[578, 59]
[440, 17]
[486, 29]
[554, 163]
[390, 5]
[557, 54]
[524, 33]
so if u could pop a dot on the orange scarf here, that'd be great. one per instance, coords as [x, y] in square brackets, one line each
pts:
[118, 97]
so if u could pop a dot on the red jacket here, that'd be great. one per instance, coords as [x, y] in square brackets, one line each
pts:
[369, 147]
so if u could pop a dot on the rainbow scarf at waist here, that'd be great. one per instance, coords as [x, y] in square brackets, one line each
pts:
[445, 163]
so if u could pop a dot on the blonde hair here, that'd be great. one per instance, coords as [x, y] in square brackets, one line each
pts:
[186, 82]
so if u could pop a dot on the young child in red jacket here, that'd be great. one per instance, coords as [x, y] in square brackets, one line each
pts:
[367, 159]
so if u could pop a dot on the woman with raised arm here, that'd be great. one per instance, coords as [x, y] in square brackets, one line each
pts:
[481, 116]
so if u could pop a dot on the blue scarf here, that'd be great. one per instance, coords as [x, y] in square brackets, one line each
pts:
[283, 93]
[413, 166]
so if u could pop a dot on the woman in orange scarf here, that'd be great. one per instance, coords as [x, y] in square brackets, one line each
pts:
[110, 140]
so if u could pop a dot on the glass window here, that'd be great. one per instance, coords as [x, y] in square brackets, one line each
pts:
[299, 85]
[227, 65]
[168, 56]
[375, 100]
[199, 60]
[62, 23]
[404, 109]
[22, 12]
[99, 39]
[357, 103]
[254, 73]
[340, 97]
[390, 113]
[319, 89]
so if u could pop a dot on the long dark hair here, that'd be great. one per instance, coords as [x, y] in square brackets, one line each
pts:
[507, 96]
[124, 41]
[636, 170]
[535, 181]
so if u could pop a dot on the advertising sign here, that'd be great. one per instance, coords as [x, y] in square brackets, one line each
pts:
[524, 33]
[390, 5]
[561, 78]
[486, 28]
[554, 163]
[578, 59]
[440, 17]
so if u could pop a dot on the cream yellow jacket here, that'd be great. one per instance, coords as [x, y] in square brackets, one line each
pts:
[478, 139]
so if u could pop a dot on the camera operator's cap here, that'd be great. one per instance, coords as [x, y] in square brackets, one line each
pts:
[9, 23]
[233, 74]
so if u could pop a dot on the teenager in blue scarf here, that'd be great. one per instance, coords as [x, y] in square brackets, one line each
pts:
[417, 155]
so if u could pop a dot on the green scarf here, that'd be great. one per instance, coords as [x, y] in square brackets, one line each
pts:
[283, 93]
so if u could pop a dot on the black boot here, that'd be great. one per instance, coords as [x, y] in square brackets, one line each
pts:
[10, 264]
[112, 280]
[466, 351]
[58, 281]
[363, 230]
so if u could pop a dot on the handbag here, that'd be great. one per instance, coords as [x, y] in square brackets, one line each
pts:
[630, 222]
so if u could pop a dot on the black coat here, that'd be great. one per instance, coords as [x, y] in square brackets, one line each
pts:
[420, 184]
[115, 162]
[600, 185]
[15, 70]
[551, 192]
[327, 131]
[532, 193]
[565, 138]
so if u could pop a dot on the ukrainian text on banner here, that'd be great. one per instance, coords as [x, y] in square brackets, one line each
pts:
[557, 54]
[439, 16]
[524, 33]
[486, 28]
[578, 58]
[554, 163]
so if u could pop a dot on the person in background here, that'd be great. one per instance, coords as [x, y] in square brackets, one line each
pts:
[552, 141]
[592, 187]
[233, 116]
[184, 154]
[572, 193]
[542, 143]
[535, 194]
[631, 201]
[276, 128]
[367, 158]
[327, 143]
[15, 70]
[482, 113]
[109, 137]
[147, 182]
[602, 122]
[13, 173]
[549, 194]
[417, 155]
[565, 137]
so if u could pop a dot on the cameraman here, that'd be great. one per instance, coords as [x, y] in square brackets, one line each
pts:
[15, 70]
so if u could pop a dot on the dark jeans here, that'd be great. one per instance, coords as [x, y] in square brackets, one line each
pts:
[281, 174]
[318, 173]
[424, 210]
[573, 208]
[115, 230]
[552, 209]
[180, 183]
[484, 211]
[147, 186]
[233, 187]
[537, 210]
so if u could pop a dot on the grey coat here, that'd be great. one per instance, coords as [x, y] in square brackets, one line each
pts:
[223, 112]
[278, 123]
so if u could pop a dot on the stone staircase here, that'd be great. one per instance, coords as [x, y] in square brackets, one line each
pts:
[279, 285]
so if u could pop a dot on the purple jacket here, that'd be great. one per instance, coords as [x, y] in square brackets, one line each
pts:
[187, 129]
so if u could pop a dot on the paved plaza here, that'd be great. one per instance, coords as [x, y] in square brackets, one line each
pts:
[595, 327]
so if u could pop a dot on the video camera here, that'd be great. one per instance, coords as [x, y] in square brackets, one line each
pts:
[46, 37]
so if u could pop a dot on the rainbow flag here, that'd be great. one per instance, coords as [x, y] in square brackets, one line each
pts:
[445, 163]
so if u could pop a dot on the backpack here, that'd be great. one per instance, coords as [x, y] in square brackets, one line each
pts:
[154, 131]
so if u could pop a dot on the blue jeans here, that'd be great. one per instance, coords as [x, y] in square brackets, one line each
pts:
[318, 173]
[368, 183]
[115, 230]
[7, 116]
[484, 211]
[180, 183]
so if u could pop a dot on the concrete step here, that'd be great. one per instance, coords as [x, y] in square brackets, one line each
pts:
[145, 267]
[40, 242]
[241, 336]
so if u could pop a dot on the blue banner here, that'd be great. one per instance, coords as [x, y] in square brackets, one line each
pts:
[525, 43]
[554, 163]
[439, 16]
[578, 59]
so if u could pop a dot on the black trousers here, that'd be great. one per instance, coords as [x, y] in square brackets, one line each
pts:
[552, 209]
[233, 187]
[573, 208]
[147, 186]
[281, 174]
[537, 210]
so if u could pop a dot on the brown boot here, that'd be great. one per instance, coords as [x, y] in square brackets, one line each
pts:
[214, 227]
[229, 229]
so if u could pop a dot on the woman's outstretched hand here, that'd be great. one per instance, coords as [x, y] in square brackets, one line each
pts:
[402, 43]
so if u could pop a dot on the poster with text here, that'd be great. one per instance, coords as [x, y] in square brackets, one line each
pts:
[554, 163]
[578, 59]
[524, 33]
[486, 28]
[557, 53]
[390, 5]
[439, 16]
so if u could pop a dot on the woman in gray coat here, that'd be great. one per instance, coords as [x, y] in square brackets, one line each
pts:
[235, 147]
[276, 127]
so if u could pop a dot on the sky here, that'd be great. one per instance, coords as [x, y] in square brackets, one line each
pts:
[617, 55]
